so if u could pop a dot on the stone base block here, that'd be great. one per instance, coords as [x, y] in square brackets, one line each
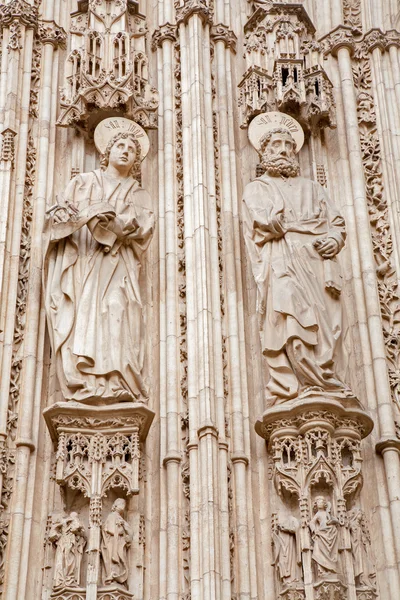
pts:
[111, 418]
[69, 593]
[114, 593]
[98, 447]
[302, 414]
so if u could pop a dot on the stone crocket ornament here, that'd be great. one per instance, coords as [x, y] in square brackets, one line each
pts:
[293, 234]
[95, 241]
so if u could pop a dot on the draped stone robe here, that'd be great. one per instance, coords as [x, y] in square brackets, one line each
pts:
[298, 291]
[92, 289]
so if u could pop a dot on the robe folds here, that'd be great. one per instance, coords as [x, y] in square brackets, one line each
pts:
[92, 289]
[298, 291]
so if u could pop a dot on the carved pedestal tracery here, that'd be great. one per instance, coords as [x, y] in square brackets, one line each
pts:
[98, 454]
[320, 536]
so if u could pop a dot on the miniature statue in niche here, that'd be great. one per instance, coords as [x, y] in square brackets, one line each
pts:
[116, 538]
[364, 569]
[287, 552]
[293, 234]
[95, 242]
[68, 534]
[325, 535]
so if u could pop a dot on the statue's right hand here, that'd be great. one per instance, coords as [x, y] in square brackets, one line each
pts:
[62, 213]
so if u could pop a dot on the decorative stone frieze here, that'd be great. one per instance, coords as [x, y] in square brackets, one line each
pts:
[291, 78]
[107, 67]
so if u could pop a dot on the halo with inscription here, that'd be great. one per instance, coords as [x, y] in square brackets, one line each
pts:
[108, 128]
[265, 122]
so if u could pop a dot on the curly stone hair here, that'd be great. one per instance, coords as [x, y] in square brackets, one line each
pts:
[267, 137]
[105, 158]
[269, 165]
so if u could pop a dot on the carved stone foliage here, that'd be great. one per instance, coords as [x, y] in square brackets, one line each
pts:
[51, 33]
[19, 11]
[387, 278]
[320, 537]
[352, 14]
[285, 67]
[107, 66]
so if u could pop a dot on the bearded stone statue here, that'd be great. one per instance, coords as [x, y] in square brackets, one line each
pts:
[293, 234]
[95, 241]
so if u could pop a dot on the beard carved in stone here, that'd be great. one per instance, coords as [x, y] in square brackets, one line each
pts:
[95, 242]
[293, 234]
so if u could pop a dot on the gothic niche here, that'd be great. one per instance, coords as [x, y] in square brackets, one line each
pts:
[97, 240]
[107, 65]
[285, 69]
[313, 422]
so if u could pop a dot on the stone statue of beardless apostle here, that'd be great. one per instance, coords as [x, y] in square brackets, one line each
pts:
[293, 234]
[95, 241]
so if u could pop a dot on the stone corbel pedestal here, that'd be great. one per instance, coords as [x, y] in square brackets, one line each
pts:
[98, 449]
[315, 446]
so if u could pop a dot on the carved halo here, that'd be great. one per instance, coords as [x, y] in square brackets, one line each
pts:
[268, 121]
[108, 128]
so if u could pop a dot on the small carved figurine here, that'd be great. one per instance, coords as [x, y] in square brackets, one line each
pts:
[287, 551]
[68, 534]
[325, 535]
[116, 538]
[364, 570]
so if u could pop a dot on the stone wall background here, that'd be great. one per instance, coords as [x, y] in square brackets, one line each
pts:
[206, 501]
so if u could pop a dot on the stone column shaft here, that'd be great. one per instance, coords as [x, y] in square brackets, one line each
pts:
[204, 328]
[370, 294]
[31, 374]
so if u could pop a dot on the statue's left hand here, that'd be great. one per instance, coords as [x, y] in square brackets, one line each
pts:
[327, 247]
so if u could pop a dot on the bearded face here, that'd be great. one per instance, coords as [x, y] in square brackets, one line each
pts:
[279, 156]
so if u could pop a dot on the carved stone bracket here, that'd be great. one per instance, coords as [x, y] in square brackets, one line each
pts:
[98, 449]
[194, 7]
[51, 33]
[20, 11]
[222, 33]
[316, 463]
[164, 32]
[341, 37]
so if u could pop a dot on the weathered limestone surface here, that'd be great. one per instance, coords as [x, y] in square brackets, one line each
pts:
[199, 299]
